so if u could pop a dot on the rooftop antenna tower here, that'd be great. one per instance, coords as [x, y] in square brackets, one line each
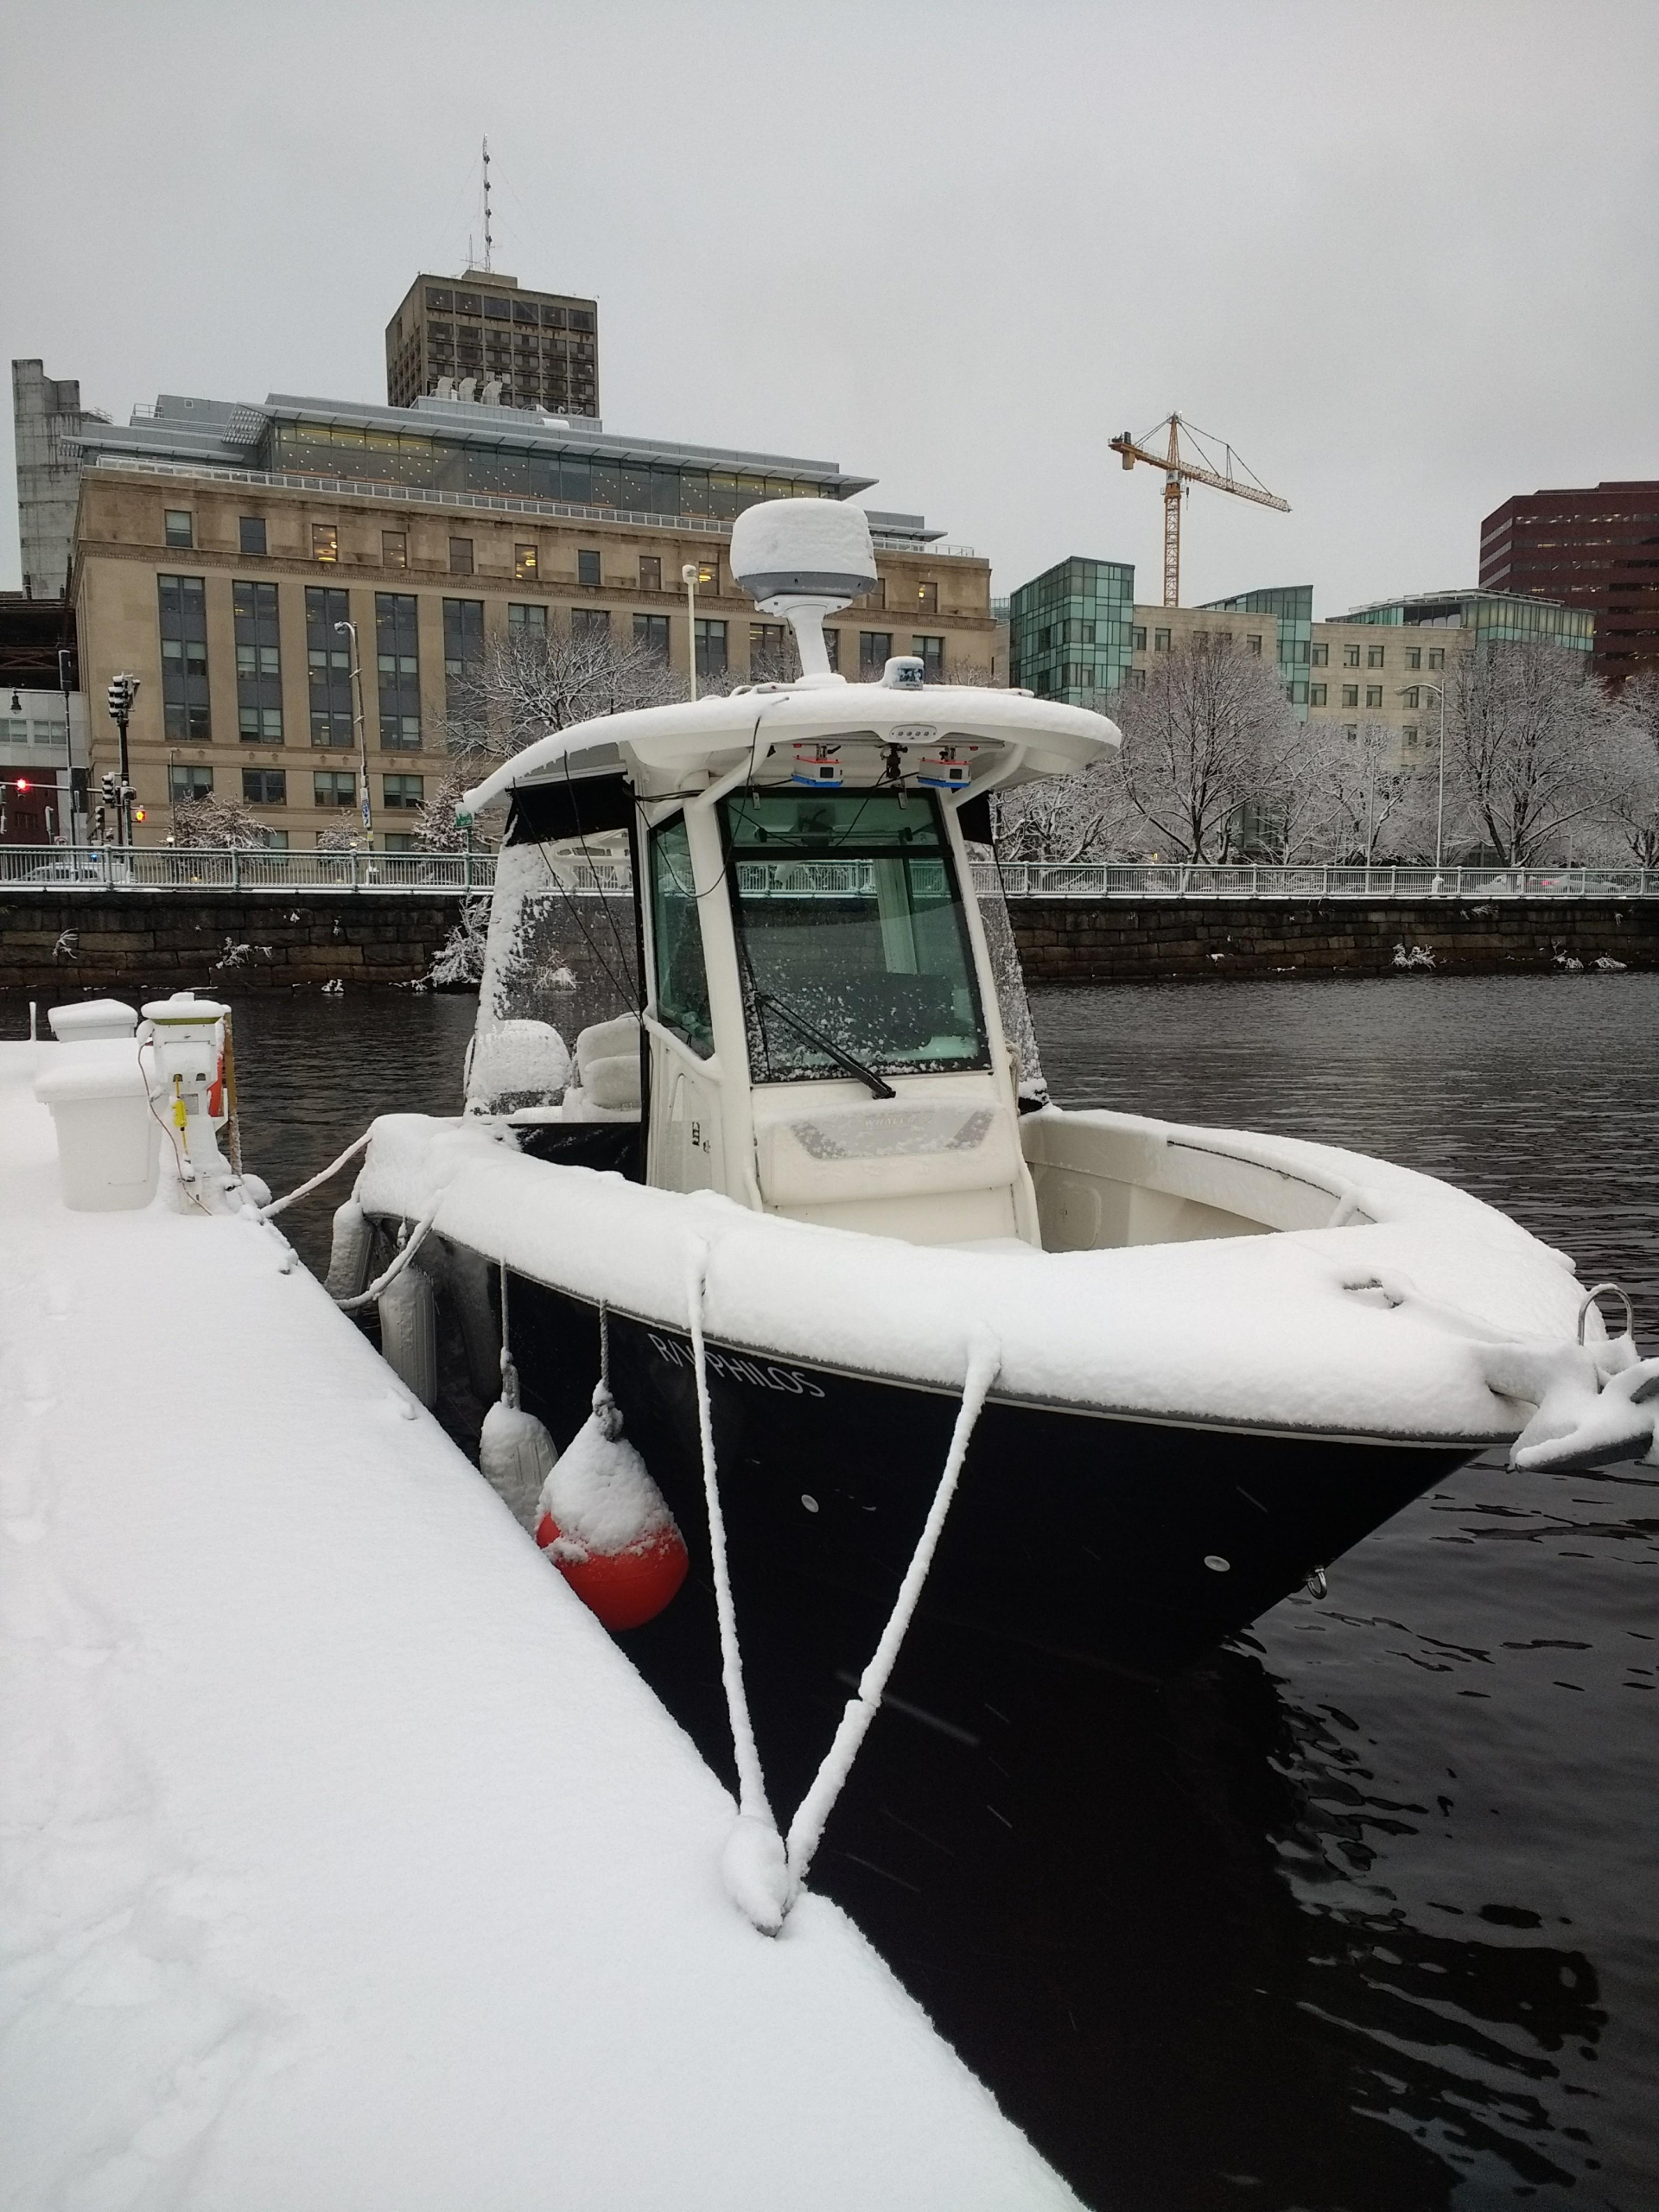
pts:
[489, 242]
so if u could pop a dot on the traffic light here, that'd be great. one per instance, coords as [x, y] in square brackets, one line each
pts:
[123, 691]
[109, 787]
[137, 813]
[23, 782]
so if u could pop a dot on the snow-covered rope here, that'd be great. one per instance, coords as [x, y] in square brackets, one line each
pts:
[752, 1798]
[984, 1359]
[417, 1238]
[317, 1181]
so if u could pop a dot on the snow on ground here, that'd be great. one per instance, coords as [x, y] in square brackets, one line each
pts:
[346, 1863]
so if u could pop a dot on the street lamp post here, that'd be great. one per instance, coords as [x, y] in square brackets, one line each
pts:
[365, 808]
[123, 690]
[1439, 804]
[689, 578]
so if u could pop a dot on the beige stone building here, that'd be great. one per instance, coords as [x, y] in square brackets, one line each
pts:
[220, 578]
[1165, 629]
[523, 349]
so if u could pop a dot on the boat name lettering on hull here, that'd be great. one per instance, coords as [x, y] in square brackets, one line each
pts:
[787, 1379]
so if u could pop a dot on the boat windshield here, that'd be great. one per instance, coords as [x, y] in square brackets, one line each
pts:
[849, 918]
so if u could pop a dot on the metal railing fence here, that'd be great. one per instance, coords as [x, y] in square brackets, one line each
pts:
[167, 868]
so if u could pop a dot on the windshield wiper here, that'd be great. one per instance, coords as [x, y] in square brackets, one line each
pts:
[799, 1022]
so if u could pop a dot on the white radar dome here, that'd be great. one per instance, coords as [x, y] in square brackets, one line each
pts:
[818, 549]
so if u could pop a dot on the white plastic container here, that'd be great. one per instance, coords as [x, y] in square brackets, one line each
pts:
[91, 1020]
[109, 1141]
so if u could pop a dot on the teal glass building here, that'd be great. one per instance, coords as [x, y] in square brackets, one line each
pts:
[1070, 630]
[1292, 608]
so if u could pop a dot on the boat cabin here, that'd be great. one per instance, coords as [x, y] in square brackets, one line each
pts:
[736, 943]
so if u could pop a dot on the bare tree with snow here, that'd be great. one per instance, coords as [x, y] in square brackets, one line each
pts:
[218, 825]
[532, 682]
[1213, 734]
[1634, 805]
[1535, 751]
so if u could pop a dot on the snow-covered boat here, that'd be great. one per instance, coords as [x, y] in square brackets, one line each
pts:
[794, 1182]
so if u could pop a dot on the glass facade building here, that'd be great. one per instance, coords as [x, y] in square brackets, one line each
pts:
[1292, 608]
[1070, 628]
[1494, 617]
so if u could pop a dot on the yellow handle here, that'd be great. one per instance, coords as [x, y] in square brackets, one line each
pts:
[180, 1115]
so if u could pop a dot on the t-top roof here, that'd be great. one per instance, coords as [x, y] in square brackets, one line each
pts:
[1020, 739]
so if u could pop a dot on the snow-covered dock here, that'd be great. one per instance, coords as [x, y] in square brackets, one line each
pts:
[346, 1862]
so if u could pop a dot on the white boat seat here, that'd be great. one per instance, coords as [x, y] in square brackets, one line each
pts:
[608, 1071]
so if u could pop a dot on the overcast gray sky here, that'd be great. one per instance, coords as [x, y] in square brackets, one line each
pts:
[1403, 256]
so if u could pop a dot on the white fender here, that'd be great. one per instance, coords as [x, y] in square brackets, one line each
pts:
[409, 1336]
[348, 1253]
[515, 1457]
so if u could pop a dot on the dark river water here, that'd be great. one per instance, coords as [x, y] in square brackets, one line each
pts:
[1361, 1914]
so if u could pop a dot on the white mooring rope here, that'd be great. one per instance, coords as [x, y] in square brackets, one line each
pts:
[317, 1183]
[417, 1238]
[762, 1873]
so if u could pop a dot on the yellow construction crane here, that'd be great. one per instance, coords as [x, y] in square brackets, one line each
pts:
[1180, 471]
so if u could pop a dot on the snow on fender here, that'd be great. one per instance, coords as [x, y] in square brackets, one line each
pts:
[606, 1527]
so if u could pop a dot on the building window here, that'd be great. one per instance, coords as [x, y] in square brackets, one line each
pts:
[1255, 645]
[650, 634]
[1316, 695]
[1320, 655]
[396, 648]
[709, 573]
[328, 664]
[931, 653]
[333, 787]
[1414, 655]
[1373, 695]
[1160, 641]
[259, 664]
[875, 651]
[1298, 694]
[1373, 655]
[1137, 679]
[1350, 656]
[394, 549]
[400, 842]
[275, 841]
[180, 526]
[187, 780]
[460, 557]
[927, 599]
[264, 788]
[250, 534]
[325, 542]
[184, 603]
[524, 565]
[1350, 695]
[1138, 638]
[651, 572]
[463, 648]
[1411, 735]
[1411, 695]
[528, 621]
[590, 622]
[588, 566]
[832, 646]
[1437, 655]
[1350, 731]
[405, 792]
[711, 648]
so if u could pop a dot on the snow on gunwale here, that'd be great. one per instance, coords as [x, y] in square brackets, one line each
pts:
[347, 1862]
[1250, 1331]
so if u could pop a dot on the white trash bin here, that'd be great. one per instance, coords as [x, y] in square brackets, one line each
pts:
[108, 1141]
[91, 1020]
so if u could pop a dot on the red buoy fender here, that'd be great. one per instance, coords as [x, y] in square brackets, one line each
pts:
[623, 1589]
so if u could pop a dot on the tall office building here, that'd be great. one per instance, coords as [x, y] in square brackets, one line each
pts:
[1596, 551]
[45, 410]
[219, 547]
[525, 349]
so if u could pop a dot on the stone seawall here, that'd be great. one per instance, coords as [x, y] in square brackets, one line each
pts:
[1109, 941]
[112, 941]
[156, 940]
